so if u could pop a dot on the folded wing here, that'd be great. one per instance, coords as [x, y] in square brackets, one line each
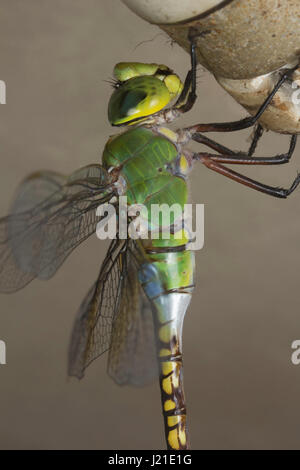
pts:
[116, 315]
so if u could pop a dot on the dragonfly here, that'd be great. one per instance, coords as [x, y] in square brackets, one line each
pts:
[135, 309]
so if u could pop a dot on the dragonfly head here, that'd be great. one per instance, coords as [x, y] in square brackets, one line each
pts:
[140, 91]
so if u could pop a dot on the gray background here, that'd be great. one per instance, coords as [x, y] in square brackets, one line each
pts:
[242, 389]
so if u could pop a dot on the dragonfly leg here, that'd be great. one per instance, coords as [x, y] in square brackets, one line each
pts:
[229, 156]
[213, 163]
[258, 132]
[188, 95]
[242, 123]
[202, 139]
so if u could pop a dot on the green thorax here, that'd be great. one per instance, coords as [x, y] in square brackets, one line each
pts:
[144, 159]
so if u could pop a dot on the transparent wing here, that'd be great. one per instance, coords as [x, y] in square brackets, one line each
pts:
[132, 355]
[116, 316]
[50, 216]
[92, 328]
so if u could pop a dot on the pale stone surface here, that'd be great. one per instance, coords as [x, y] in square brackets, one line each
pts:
[170, 11]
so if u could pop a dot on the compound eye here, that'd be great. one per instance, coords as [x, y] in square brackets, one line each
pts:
[137, 98]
